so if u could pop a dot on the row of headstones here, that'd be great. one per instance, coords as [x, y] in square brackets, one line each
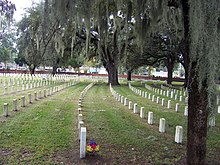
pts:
[181, 91]
[95, 79]
[162, 122]
[173, 94]
[37, 96]
[27, 85]
[23, 87]
[153, 98]
[42, 77]
[20, 82]
[11, 80]
[148, 95]
[29, 76]
[82, 130]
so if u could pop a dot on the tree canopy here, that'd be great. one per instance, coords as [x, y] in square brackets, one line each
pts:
[135, 33]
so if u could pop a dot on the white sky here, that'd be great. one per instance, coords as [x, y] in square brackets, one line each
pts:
[20, 7]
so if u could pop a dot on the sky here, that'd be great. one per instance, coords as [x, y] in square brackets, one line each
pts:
[20, 7]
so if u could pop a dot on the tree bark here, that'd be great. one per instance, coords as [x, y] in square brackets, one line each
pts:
[186, 78]
[197, 104]
[112, 73]
[129, 75]
[185, 5]
[32, 70]
[170, 65]
[54, 71]
[197, 120]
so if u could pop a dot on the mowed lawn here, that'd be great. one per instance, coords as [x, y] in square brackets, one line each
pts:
[124, 137]
[43, 131]
[46, 131]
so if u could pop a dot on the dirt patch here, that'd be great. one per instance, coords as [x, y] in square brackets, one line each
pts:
[4, 153]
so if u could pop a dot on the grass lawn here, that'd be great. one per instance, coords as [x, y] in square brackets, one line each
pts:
[45, 132]
[41, 130]
[125, 137]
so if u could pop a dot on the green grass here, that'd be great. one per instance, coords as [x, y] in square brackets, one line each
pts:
[45, 132]
[118, 130]
[42, 129]
[158, 110]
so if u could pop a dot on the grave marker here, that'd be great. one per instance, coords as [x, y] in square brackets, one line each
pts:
[35, 96]
[169, 104]
[179, 134]
[126, 102]
[15, 105]
[186, 100]
[176, 97]
[181, 98]
[145, 95]
[23, 101]
[83, 142]
[149, 96]
[130, 105]
[177, 107]
[142, 112]
[162, 125]
[186, 111]
[150, 118]
[158, 100]
[171, 95]
[122, 99]
[153, 98]
[162, 102]
[6, 109]
[29, 96]
[135, 108]
[168, 93]
[212, 121]
[45, 93]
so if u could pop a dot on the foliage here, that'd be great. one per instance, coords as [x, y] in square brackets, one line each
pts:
[205, 45]
[4, 54]
[7, 43]
[35, 36]
[7, 11]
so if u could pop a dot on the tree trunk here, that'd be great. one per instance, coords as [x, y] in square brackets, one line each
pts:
[112, 74]
[129, 75]
[170, 65]
[197, 120]
[185, 5]
[186, 71]
[186, 78]
[32, 70]
[197, 104]
[54, 71]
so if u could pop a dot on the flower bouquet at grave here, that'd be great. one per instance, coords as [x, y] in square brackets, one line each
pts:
[92, 147]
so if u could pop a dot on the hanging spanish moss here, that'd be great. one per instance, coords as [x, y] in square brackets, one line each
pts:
[205, 44]
[59, 45]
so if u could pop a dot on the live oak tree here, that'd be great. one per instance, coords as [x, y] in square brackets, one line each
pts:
[196, 22]
[6, 36]
[35, 35]
[201, 57]
[202, 34]
[108, 21]
[158, 49]
[7, 12]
